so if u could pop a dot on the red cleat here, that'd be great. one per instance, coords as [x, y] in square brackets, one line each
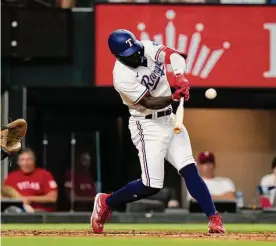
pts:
[215, 224]
[100, 214]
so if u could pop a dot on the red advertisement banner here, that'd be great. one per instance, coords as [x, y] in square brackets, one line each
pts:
[227, 46]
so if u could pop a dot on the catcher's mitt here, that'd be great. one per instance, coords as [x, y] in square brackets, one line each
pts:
[11, 136]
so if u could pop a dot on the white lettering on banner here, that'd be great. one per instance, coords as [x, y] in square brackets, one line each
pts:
[201, 59]
[271, 73]
[129, 42]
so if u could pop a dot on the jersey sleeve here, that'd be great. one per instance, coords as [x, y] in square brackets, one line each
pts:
[128, 86]
[161, 53]
[155, 50]
[132, 90]
[49, 183]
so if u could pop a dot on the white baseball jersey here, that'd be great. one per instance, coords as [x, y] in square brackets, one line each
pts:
[133, 83]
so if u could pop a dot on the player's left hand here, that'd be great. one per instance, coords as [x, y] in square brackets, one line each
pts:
[182, 92]
[180, 81]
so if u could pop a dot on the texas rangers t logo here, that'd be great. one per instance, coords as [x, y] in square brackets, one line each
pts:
[129, 42]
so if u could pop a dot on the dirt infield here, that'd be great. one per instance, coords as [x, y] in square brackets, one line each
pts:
[140, 233]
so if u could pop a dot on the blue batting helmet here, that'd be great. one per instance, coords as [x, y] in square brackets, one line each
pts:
[124, 45]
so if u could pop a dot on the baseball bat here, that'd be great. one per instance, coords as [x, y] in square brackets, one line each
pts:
[179, 117]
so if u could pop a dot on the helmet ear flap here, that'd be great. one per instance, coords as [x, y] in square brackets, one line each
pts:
[119, 59]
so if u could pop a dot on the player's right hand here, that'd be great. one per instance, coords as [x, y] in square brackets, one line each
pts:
[182, 92]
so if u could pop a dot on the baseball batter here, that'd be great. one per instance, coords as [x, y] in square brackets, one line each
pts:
[140, 78]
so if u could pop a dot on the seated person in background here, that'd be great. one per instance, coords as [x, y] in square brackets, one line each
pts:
[268, 183]
[36, 187]
[82, 190]
[220, 188]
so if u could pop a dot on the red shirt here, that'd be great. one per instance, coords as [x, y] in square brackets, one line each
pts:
[83, 184]
[38, 183]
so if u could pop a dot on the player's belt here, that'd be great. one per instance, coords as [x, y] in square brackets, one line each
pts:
[159, 114]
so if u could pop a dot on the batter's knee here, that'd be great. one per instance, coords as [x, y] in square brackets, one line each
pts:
[186, 162]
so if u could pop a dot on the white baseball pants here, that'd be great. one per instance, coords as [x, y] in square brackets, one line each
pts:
[155, 141]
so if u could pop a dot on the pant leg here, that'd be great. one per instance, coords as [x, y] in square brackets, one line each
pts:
[180, 151]
[181, 157]
[151, 138]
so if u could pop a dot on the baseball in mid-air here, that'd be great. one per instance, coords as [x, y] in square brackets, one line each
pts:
[211, 93]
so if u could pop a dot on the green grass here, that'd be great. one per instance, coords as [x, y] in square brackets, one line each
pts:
[28, 241]
[143, 241]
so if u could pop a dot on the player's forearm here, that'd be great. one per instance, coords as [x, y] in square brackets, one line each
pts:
[10, 192]
[156, 102]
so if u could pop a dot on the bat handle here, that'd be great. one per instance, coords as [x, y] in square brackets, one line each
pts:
[181, 103]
